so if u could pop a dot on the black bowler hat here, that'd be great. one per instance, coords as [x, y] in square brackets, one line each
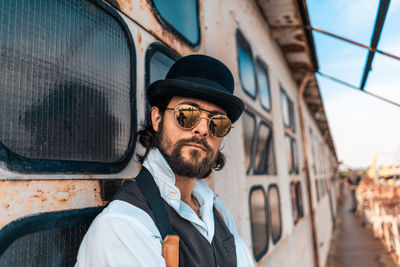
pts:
[201, 77]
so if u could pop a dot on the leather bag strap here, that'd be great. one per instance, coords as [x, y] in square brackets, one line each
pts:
[146, 183]
[170, 244]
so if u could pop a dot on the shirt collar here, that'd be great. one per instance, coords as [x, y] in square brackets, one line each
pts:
[164, 177]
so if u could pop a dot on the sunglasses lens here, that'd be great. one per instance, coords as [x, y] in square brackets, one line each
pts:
[187, 116]
[220, 125]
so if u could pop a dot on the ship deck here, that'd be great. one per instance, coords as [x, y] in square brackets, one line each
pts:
[354, 245]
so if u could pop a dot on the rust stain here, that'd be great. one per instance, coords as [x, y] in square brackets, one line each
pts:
[36, 196]
[139, 37]
[143, 6]
[148, 20]
[125, 5]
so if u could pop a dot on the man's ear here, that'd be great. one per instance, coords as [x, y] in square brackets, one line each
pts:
[155, 118]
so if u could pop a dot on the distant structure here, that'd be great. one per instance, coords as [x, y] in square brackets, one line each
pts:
[387, 171]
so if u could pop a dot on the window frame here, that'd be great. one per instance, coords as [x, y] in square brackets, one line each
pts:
[240, 39]
[274, 241]
[260, 63]
[24, 165]
[265, 250]
[167, 25]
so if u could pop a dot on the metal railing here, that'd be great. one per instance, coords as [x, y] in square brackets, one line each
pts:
[379, 206]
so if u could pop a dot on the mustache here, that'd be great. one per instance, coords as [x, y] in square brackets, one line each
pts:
[197, 140]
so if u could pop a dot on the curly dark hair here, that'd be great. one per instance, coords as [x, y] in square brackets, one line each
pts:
[149, 138]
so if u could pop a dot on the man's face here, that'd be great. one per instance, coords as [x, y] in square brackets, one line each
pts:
[190, 153]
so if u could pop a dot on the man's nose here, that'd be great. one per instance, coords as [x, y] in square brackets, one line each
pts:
[202, 128]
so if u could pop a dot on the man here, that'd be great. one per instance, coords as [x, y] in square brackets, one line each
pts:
[192, 110]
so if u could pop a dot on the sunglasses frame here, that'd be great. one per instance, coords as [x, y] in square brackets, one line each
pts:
[200, 117]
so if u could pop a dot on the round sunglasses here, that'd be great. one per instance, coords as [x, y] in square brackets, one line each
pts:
[187, 117]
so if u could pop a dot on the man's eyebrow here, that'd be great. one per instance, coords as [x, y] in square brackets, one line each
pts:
[213, 112]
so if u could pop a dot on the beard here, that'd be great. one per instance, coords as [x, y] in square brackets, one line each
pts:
[195, 167]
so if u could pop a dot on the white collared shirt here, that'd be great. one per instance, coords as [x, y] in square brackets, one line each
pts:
[124, 235]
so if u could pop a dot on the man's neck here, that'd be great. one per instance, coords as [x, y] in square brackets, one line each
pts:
[185, 186]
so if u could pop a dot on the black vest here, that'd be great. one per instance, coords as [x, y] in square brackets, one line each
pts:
[194, 248]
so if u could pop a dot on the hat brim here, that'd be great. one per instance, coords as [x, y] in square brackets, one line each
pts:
[162, 89]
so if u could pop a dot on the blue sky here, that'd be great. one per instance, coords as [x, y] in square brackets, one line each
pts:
[361, 125]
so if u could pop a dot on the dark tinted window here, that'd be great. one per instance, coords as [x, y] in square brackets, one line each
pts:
[295, 154]
[264, 161]
[317, 188]
[288, 146]
[287, 111]
[249, 127]
[321, 184]
[294, 198]
[292, 117]
[324, 190]
[311, 142]
[258, 218]
[292, 154]
[246, 65]
[300, 199]
[159, 66]
[297, 201]
[159, 60]
[263, 85]
[274, 206]
[66, 84]
[182, 16]
[285, 106]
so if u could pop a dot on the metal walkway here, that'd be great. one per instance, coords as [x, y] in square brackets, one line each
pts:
[352, 244]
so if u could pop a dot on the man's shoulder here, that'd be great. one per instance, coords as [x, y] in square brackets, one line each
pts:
[120, 209]
[121, 213]
[113, 236]
[130, 193]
